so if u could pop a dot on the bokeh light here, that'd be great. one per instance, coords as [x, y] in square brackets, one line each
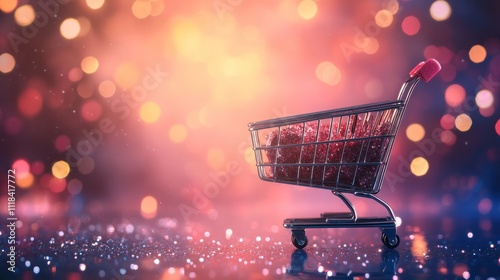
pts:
[328, 73]
[487, 112]
[384, 18]
[25, 181]
[178, 133]
[419, 247]
[419, 166]
[447, 121]
[75, 186]
[60, 169]
[107, 88]
[141, 8]
[94, 4]
[485, 205]
[186, 36]
[7, 6]
[30, 102]
[150, 112]
[448, 73]
[477, 54]
[86, 165]
[91, 110]
[307, 9]
[250, 157]
[440, 10]
[7, 63]
[24, 15]
[410, 25]
[454, 95]
[89, 64]
[149, 206]
[22, 167]
[75, 74]
[57, 185]
[85, 89]
[372, 46]
[415, 132]
[463, 122]
[37, 167]
[484, 99]
[62, 143]
[70, 28]
[441, 53]
[85, 26]
[391, 6]
[448, 137]
[460, 269]
[229, 233]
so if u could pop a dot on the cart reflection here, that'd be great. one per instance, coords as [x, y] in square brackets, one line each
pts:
[303, 267]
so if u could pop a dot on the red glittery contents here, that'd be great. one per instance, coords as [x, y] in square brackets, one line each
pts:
[324, 156]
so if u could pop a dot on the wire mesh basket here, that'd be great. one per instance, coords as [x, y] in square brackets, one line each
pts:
[344, 150]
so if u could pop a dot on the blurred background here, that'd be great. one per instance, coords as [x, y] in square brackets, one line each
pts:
[138, 109]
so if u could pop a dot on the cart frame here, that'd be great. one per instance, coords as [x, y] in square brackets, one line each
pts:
[390, 112]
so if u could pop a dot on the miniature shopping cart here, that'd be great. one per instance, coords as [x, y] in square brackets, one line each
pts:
[341, 150]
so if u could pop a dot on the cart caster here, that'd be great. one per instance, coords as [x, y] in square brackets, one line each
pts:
[297, 244]
[299, 239]
[391, 244]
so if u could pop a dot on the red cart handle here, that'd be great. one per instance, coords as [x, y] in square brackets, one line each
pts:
[426, 70]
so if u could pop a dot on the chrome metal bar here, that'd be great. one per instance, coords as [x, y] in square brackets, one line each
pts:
[315, 151]
[378, 200]
[272, 123]
[348, 204]
[407, 89]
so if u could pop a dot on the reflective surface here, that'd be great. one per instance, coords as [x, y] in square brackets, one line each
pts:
[444, 248]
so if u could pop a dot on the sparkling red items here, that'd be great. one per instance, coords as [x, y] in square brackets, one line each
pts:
[326, 153]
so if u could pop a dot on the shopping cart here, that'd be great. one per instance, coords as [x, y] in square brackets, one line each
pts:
[341, 150]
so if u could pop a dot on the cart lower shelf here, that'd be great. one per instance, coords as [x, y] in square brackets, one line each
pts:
[387, 225]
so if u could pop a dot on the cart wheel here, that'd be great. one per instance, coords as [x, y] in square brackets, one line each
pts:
[295, 242]
[387, 242]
